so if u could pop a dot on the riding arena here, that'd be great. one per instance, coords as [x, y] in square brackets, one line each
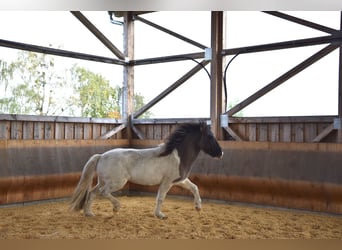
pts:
[221, 177]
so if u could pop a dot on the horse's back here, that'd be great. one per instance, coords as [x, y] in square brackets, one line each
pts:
[130, 154]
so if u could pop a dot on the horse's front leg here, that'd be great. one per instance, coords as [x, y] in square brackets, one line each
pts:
[162, 191]
[187, 184]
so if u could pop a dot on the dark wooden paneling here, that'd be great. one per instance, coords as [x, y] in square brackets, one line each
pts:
[45, 169]
[271, 129]
[28, 127]
[294, 175]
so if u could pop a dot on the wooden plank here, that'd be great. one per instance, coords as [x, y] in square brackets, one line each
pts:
[233, 134]
[170, 32]
[5, 130]
[69, 131]
[324, 133]
[104, 130]
[252, 127]
[87, 131]
[273, 132]
[150, 132]
[283, 119]
[128, 70]
[49, 131]
[216, 69]
[336, 38]
[164, 59]
[165, 131]
[79, 131]
[96, 131]
[66, 119]
[157, 132]
[92, 28]
[59, 131]
[240, 130]
[310, 131]
[138, 132]
[16, 130]
[38, 133]
[170, 120]
[302, 22]
[142, 130]
[262, 132]
[298, 131]
[339, 131]
[110, 133]
[28, 130]
[285, 132]
[59, 52]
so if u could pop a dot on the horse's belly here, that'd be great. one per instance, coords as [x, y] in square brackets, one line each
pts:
[145, 178]
[153, 172]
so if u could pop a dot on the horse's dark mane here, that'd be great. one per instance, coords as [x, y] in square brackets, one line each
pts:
[178, 136]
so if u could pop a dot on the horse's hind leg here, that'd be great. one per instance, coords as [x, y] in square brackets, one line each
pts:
[187, 184]
[89, 200]
[108, 188]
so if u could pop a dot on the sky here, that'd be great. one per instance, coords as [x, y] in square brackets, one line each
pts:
[312, 92]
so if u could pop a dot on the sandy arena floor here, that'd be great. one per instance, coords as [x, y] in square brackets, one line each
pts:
[135, 220]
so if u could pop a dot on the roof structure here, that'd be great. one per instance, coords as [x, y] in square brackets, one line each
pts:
[220, 117]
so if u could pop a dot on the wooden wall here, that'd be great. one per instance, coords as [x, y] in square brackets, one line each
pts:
[282, 129]
[42, 158]
[45, 169]
[26, 127]
[258, 129]
[271, 129]
[293, 175]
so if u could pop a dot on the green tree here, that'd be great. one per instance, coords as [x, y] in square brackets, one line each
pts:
[32, 84]
[6, 75]
[35, 89]
[96, 97]
[139, 102]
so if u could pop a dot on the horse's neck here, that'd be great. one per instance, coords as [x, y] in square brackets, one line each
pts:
[187, 153]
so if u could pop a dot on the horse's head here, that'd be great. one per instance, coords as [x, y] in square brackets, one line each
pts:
[208, 143]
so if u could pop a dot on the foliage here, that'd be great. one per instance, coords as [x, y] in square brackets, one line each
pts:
[96, 97]
[33, 84]
[33, 91]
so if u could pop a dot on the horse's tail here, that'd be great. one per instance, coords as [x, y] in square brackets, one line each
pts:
[81, 192]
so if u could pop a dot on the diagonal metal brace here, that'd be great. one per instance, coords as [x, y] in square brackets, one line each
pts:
[112, 132]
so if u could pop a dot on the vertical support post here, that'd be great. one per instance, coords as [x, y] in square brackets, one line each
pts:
[339, 131]
[216, 86]
[128, 74]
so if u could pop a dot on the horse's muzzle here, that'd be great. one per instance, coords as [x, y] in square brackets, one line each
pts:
[220, 156]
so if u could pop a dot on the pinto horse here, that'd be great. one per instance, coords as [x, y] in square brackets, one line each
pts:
[166, 165]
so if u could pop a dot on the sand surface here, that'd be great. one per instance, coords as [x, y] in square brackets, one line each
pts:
[135, 220]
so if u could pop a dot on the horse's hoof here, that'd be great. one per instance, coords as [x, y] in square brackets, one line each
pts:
[116, 209]
[161, 216]
[198, 209]
[89, 214]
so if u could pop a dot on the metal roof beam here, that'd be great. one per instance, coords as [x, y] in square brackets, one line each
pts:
[337, 38]
[171, 88]
[165, 59]
[59, 52]
[98, 34]
[294, 71]
[302, 22]
[172, 33]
